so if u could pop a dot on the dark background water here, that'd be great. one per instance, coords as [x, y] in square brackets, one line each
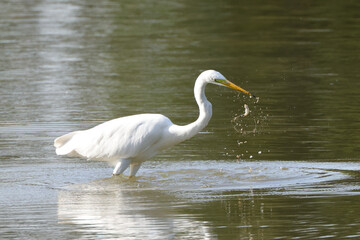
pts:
[288, 170]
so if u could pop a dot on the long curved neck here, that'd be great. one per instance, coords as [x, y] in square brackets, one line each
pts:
[205, 113]
[205, 107]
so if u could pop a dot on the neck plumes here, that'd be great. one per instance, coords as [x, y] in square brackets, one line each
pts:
[205, 112]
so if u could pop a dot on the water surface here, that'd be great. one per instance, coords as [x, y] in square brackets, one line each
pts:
[289, 170]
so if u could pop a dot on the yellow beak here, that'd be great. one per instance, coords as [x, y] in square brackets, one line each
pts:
[233, 86]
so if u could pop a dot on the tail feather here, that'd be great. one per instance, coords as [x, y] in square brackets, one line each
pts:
[62, 148]
[60, 141]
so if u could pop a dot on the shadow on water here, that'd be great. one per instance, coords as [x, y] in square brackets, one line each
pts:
[240, 197]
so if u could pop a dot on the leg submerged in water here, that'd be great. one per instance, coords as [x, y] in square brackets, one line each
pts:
[134, 167]
[121, 166]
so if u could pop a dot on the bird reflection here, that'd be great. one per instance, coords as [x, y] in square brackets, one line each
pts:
[118, 208]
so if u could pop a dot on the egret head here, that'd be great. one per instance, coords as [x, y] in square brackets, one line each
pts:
[214, 77]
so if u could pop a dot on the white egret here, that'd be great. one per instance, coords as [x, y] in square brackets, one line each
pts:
[129, 141]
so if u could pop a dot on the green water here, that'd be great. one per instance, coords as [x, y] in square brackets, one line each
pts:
[289, 170]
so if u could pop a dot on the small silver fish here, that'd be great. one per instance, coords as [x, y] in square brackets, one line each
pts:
[247, 110]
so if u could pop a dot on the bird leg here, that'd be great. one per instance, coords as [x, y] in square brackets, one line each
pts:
[134, 167]
[121, 166]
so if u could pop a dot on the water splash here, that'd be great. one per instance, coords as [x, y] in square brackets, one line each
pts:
[251, 122]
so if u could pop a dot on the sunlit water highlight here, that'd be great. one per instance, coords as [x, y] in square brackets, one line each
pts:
[195, 177]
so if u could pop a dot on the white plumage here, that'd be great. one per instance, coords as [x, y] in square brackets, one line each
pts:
[131, 140]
